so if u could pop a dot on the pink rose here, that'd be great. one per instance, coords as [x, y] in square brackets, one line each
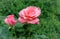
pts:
[10, 20]
[29, 15]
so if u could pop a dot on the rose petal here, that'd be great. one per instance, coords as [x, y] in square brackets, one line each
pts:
[35, 21]
[21, 20]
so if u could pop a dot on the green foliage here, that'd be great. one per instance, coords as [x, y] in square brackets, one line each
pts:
[49, 27]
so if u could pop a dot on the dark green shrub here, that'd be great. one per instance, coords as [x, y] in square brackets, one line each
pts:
[49, 27]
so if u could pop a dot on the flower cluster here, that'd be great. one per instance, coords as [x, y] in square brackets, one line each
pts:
[28, 15]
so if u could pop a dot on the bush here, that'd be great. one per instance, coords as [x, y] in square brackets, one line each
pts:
[49, 27]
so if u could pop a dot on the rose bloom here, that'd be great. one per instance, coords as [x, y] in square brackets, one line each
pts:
[10, 20]
[29, 15]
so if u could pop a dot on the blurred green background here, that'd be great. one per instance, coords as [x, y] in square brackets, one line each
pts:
[49, 27]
